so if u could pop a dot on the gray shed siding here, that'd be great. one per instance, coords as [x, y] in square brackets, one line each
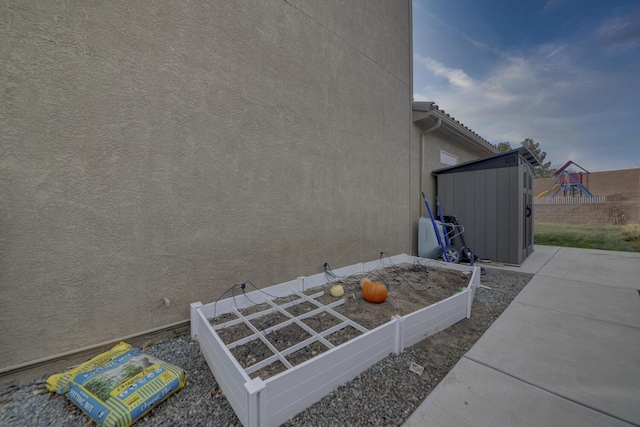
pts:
[488, 199]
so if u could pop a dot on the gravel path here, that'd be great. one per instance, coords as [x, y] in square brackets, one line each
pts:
[385, 394]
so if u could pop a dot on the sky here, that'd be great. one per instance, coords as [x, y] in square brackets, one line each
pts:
[565, 73]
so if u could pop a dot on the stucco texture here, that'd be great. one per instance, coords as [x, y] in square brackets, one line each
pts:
[171, 149]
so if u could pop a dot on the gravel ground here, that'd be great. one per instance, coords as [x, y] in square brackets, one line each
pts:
[385, 394]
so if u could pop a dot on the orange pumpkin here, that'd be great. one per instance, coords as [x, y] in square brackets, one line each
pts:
[375, 292]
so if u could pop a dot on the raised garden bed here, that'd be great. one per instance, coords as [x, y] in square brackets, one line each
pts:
[277, 350]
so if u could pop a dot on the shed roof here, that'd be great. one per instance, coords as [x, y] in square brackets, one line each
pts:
[501, 160]
[423, 110]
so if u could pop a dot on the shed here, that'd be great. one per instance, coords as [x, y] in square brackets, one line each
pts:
[493, 199]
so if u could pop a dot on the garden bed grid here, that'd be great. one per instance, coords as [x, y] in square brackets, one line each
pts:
[295, 386]
[263, 334]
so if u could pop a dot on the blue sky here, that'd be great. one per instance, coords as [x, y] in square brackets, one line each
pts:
[565, 73]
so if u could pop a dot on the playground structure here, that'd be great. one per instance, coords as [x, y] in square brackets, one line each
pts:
[569, 182]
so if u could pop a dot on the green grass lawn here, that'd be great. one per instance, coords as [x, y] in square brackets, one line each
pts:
[624, 238]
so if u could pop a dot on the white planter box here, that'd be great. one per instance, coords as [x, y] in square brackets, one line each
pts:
[271, 402]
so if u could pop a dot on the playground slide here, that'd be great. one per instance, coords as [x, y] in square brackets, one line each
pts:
[544, 193]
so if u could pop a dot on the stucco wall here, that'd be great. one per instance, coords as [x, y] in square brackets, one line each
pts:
[437, 141]
[434, 142]
[171, 149]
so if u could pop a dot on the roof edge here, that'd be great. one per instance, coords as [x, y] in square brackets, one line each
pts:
[434, 111]
[522, 151]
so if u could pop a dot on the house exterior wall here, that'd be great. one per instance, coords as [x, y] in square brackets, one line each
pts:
[417, 206]
[155, 154]
[440, 141]
[434, 142]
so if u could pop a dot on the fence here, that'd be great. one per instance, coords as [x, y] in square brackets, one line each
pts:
[271, 402]
[570, 200]
[588, 213]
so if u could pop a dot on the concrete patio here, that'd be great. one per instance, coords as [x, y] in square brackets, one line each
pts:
[565, 352]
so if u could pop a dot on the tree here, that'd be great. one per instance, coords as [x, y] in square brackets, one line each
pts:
[544, 170]
[504, 146]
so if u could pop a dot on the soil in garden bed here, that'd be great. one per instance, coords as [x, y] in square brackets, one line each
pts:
[233, 333]
[268, 320]
[269, 370]
[306, 353]
[222, 318]
[343, 335]
[410, 287]
[252, 309]
[251, 353]
[321, 321]
[288, 336]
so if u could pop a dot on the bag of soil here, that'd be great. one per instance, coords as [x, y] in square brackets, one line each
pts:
[119, 386]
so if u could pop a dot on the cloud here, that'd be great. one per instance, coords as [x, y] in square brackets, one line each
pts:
[547, 95]
[621, 30]
[523, 83]
[457, 78]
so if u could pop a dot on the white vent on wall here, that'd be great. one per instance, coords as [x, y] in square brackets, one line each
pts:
[448, 159]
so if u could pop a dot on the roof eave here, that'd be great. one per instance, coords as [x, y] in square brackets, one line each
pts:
[427, 109]
[466, 134]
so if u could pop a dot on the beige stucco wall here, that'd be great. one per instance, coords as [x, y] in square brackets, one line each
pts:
[434, 141]
[171, 149]
[439, 141]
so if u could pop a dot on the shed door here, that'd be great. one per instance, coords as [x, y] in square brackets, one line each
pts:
[527, 211]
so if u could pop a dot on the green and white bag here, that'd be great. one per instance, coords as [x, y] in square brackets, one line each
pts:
[119, 386]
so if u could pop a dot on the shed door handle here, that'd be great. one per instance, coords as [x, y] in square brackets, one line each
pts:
[529, 211]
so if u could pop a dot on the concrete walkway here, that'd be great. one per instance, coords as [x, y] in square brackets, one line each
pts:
[566, 352]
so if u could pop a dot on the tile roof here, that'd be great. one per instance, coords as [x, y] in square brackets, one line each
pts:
[432, 107]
